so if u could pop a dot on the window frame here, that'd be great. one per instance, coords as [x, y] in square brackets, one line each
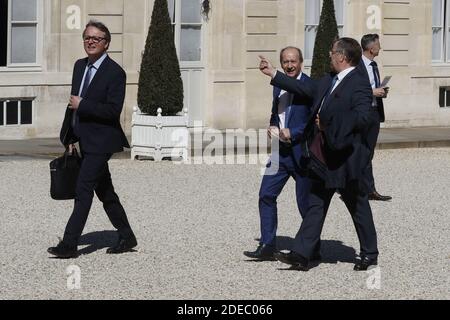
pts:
[27, 66]
[4, 102]
[307, 60]
[177, 25]
[444, 59]
[443, 41]
[444, 92]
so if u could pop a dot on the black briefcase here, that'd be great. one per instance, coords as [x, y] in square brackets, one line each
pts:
[314, 161]
[63, 175]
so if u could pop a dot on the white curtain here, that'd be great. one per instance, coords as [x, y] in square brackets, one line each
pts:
[190, 31]
[23, 31]
[437, 29]
[171, 4]
[190, 46]
[312, 18]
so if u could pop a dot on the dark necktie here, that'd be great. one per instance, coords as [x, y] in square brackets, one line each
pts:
[86, 82]
[376, 73]
[328, 94]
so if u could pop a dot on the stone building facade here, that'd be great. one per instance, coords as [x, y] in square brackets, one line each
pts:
[41, 39]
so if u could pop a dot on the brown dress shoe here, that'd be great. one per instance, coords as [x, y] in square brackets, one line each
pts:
[376, 196]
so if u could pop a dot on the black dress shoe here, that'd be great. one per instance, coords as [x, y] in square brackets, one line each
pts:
[376, 196]
[123, 245]
[63, 251]
[264, 252]
[364, 263]
[297, 261]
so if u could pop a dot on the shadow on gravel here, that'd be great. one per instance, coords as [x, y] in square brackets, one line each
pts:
[97, 241]
[332, 251]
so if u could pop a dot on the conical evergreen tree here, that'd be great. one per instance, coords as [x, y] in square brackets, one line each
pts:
[160, 84]
[326, 34]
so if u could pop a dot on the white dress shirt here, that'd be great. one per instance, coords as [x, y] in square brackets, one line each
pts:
[370, 71]
[284, 101]
[95, 67]
[341, 75]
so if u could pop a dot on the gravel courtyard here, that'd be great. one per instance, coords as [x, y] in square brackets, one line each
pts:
[193, 222]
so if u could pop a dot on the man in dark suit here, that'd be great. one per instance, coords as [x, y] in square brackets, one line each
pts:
[370, 44]
[287, 122]
[93, 119]
[340, 115]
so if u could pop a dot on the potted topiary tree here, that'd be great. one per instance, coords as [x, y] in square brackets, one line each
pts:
[327, 32]
[159, 123]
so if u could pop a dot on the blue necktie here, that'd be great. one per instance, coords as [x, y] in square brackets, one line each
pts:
[86, 82]
[333, 82]
[328, 94]
[376, 73]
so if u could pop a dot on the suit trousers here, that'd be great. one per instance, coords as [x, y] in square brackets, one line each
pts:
[357, 204]
[95, 176]
[372, 137]
[277, 174]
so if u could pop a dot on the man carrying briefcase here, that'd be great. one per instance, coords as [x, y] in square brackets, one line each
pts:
[93, 119]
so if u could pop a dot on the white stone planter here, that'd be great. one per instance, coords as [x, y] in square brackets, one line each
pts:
[159, 137]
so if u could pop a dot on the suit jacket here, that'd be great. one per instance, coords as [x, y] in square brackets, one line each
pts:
[345, 116]
[98, 127]
[380, 104]
[296, 118]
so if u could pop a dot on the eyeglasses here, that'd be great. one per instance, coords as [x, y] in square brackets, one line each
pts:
[94, 39]
[333, 52]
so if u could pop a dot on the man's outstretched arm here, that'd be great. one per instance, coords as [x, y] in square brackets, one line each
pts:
[284, 82]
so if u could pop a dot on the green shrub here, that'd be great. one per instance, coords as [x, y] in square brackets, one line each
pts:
[160, 84]
[326, 34]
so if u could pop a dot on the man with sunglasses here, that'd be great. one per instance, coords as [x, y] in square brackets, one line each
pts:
[93, 119]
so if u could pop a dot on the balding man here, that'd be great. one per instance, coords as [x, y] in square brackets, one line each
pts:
[338, 129]
[287, 122]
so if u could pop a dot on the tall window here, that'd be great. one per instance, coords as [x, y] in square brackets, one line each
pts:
[187, 25]
[18, 32]
[3, 31]
[312, 18]
[440, 31]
